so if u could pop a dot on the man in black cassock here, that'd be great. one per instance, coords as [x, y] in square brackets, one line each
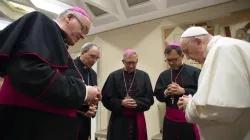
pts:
[127, 93]
[42, 88]
[89, 56]
[179, 80]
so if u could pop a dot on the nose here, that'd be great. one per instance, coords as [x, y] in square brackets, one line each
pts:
[171, 62]
[131, 66]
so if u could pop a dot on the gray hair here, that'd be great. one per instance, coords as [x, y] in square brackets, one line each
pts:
[86, 47]
[128, 54]
[66, 12]
[205, 37]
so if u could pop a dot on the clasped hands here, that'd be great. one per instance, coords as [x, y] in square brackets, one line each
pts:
[94, 96]
[129, 103]
[183, 101]
[175, 89]
[91, 112]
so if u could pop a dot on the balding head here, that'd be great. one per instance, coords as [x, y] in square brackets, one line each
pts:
[75, 22]
[194, 43]
[90, 54]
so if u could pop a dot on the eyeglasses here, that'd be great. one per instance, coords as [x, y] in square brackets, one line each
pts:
[129, 63]
[172, 60]
[84, 28]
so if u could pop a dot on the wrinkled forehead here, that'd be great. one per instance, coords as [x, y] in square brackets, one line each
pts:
[93, 50]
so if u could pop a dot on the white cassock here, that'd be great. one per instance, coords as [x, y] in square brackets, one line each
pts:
[221, 105]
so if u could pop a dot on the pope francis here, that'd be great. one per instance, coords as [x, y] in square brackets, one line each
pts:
[221, 105]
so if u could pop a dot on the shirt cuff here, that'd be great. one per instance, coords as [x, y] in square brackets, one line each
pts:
[86, 96]
[165, 93]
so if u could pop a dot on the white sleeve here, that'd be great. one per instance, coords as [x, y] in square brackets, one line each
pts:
[211, 114]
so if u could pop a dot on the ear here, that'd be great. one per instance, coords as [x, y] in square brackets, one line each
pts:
[123, 61]
[198, 41]
[69, 17]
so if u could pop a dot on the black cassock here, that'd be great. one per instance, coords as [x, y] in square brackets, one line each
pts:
[42, 87]
[90, 78]
[124, 123]
[175, 126]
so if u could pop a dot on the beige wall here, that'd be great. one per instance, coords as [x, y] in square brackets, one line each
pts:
[146, 39]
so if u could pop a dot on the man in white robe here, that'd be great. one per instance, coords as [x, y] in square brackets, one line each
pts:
[221, 105]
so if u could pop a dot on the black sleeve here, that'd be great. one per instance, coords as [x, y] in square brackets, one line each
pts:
[195, 77]
[144, 102]
[160, 87]
[109, 97]
[32, 76]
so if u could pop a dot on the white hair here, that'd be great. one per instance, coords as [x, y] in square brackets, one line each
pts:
[129, 54]
[86, 47]
[66, 12]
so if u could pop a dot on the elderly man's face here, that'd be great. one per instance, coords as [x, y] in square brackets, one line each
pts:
[77, 28]
[194, 49]
[90, 57]
[130, 62]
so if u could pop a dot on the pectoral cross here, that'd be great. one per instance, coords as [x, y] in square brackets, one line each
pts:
[172, 100]
[127, 97]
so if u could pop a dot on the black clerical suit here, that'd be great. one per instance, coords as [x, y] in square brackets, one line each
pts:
[175, 126]
[90, 78]
[125, 123]
[39, 98]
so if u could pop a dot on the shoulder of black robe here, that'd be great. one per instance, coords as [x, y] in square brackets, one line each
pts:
[33, 29]
[33, 53]
[195, 73]
[93, 74]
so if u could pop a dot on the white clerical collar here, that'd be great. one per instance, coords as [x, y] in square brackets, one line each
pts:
[211, 43]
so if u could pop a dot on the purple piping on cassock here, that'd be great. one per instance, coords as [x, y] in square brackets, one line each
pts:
[9, 96]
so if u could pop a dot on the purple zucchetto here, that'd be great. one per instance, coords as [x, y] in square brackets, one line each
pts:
[174, 44]
[129, 51]
[81, 11]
